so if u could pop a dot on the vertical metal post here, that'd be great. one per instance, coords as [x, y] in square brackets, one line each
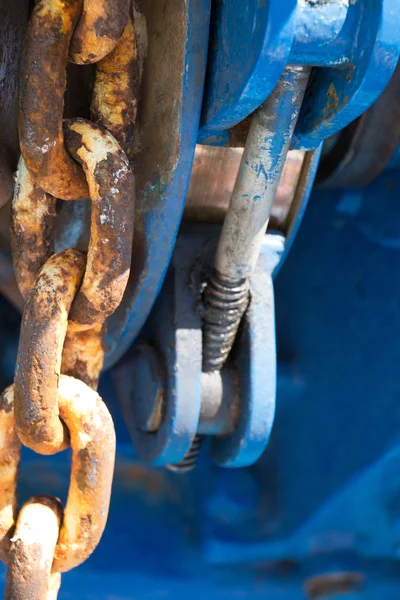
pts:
[268, 142]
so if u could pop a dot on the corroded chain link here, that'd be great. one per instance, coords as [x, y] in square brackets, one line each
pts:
[91, 432]
[43, 84]
[37, 527]
[53, 402]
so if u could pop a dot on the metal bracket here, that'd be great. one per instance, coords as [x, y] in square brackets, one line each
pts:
[188, 401]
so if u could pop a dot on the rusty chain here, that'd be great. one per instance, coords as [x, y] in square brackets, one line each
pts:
[53, 402]
[43, 83]
[37, 526]
[92, 439]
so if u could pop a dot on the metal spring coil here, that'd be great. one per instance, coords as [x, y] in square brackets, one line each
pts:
[190, 459]
[225, 303]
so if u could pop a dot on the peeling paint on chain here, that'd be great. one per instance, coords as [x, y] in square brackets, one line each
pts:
[68, 295]
[93, 456]
[32, 551]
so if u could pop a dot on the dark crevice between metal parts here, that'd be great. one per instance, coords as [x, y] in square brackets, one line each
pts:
[190, 460]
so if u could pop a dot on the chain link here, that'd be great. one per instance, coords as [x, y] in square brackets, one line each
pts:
[53, 403]
[111, 185]
[99, 30]
[43, 328]
[32, 551]
[32, 228]
[92, 439]
[43, 83]
[114, 101]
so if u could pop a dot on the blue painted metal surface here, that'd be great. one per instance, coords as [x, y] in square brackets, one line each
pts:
[324, 498]
[337, 96]
[324, 33]
[250, 46]
[177, 36]
[173, 330]
[356, 43]
[302, 194]
[331, 470]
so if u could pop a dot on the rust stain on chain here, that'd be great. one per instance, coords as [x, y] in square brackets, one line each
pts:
[83, 353]
[43, 329]
[32, 239]
[10, 452]
[115, 92]
[43, 82]
[68, 296]
[93, 454]
[92, 436]
[32, 228]
[99, 29]
[111, 185]
[32, 551]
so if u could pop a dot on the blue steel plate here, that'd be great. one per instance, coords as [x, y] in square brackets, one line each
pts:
[168, 119]
[249, 50]
[337, 96]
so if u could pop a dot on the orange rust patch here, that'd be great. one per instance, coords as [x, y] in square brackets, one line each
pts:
[114, 101]
[99, 29]
[32, 228]
[92, 436]
[111, 185]
[331, 107]
[333, 584]
[333, 100]
[43, 81]
[83, 353]
[43, 329]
